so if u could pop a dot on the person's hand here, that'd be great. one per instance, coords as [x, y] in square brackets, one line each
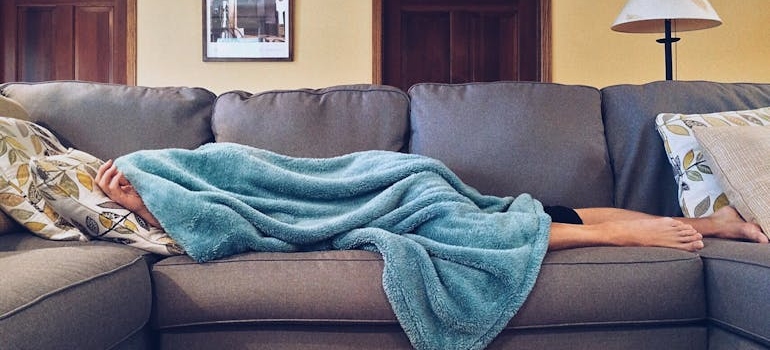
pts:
[116, 186]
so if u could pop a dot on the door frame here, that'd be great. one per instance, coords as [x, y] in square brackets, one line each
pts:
[8, 58]
[131, 39]
[544, 45]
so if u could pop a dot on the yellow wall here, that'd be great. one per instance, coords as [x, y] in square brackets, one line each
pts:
[586, 51]
[333, 46]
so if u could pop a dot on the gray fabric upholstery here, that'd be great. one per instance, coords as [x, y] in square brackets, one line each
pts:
[577, 290]
[738, 280]
[322, 287]
[391, 337]
[609, 285]
[720, 339]
[315, 123]
[506, 138]
[25, 240]
[288, 337]
[111, 120]
[684, 337]
[88, 297]
[644, 180]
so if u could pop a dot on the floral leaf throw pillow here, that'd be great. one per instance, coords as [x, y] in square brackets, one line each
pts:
[700, 193]
[66, 181]
[19, 141]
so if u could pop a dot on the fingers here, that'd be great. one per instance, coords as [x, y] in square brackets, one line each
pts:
[110, 180]
[102, 169]
[105, 174]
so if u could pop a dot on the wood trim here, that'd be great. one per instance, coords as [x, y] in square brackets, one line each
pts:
[377, 41]
[7, 40]
[545, 41]
[131, 42]
[546, 54]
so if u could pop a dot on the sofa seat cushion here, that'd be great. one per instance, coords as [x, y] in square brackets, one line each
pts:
[79, 297]
[315, 123]
[738, 280]
[317, 287]
[606, 286]
[591, 286]
[506, 138]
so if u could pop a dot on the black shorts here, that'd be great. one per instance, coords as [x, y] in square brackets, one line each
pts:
[563, 214]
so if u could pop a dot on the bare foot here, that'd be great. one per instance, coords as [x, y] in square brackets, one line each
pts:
[658, 232]
[727, 223]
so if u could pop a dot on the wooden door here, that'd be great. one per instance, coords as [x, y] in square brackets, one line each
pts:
[91, 40]
[457, 41]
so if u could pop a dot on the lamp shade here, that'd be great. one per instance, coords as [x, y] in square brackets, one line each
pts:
[647, 16]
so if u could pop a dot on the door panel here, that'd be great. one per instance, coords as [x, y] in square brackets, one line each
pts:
[432, 45]
[485, 44]
[457, 41]
[89, 40]
[43, 49]
[36, 31]
[93, 43]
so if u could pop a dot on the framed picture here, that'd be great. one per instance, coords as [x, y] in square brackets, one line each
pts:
[247, 30]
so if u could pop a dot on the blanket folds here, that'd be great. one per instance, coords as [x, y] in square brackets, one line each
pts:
[458, 264]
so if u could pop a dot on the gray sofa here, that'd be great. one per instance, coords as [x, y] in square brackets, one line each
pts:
[570, 145]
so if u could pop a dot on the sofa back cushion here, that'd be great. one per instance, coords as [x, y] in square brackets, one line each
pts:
[506, 138]
[644, 179]
[315, 123]
[111, 120]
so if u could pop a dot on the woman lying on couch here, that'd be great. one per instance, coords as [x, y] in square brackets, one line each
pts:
[569, 229]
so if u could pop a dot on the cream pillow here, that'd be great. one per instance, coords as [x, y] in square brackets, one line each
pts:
[740, 158]
[12, 109]
[67, 183]
[699, 191]
[19, 141]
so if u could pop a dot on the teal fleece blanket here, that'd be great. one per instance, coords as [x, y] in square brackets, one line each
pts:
[457, 264]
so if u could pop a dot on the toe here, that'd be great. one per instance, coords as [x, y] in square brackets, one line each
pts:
[697, 245]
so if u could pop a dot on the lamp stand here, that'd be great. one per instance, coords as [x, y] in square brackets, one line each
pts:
[667, 41]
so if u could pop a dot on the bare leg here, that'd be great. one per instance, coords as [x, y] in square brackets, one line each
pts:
[592, 216]
[724, 223]
[620, 227]
[655, 232]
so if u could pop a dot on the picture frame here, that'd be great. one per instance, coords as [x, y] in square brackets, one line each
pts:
[247, 30]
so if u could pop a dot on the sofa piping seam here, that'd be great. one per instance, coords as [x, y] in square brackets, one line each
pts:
[735, 261]
[277, 321]
[729, 327]
[215, 262]
[676, 260]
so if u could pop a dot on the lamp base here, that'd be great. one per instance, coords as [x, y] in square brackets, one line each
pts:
[667, 41]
